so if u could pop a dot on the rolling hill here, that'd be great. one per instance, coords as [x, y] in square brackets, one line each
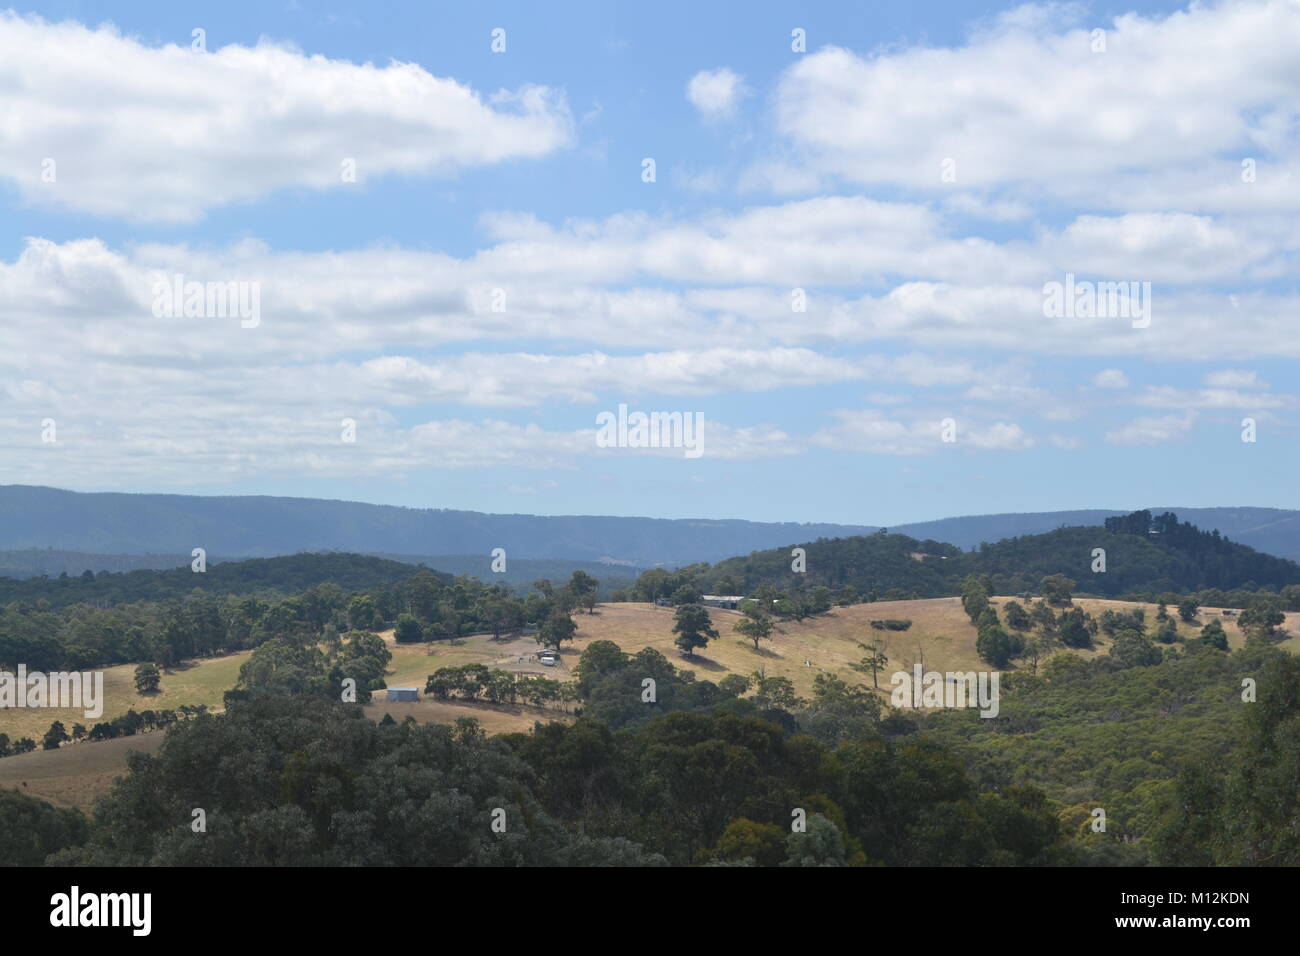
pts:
[1179, 558]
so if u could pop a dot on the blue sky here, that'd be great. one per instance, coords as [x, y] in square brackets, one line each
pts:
[1112, 158]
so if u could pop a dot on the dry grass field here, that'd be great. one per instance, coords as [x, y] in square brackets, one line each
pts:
[73, 775]
[199, 682]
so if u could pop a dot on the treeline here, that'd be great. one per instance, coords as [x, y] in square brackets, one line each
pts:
[878, 566]
[1142, 554]
[422, 605]
[480, 682]
[285, 575]
[123, 725]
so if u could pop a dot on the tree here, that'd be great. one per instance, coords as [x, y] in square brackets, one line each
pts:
[55, 735]
[975, 591]
[995, 646]
[1057, 590]
[693, 628]
[556, 629]
[1033, 651]
[874, 662]
[1073, 626]
[1167, 633]
[1262, 617]
[821, 844]
[1132, 649]
[1214, 635]
[408, 630]
[1044, 619]
[755, 626]
[735, 685]
[1187, 610]
[774, 693]
[147, 678]
[584, 588]
[762, 844]
[686, 594]
[362, 613]
[1018, 618]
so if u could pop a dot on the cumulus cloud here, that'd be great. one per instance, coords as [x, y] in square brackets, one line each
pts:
[1027, 102]
[715, 93]
[165, 133]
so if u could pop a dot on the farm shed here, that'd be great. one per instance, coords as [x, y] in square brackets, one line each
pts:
[403, 693]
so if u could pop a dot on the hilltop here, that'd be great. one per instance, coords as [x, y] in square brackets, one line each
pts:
[1143, 555]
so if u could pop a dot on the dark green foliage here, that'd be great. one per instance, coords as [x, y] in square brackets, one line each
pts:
[1214, 635]
[1131, 649]
[693, 628]
[1018, 618]
[1243, 810]
[1072, 626]
[30, 829]
[147, 678]
[408, 630]
[284, 575]
[309, 782]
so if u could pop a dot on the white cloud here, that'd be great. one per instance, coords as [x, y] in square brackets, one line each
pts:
[1025, 103]
[1167, 396]
[715, 93]
[1110, 378]
[870, 431]
[1234, 378]
[1153, 431]
[165, 133]
[1001, 436]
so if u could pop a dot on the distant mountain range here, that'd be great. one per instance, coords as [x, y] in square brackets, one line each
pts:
[118, 526]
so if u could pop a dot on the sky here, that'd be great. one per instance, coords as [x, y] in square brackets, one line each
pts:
[838, 235]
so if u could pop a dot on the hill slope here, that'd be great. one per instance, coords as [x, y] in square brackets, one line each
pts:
[1145, 555]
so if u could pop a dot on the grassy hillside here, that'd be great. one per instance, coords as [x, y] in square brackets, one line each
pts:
[74, 776]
